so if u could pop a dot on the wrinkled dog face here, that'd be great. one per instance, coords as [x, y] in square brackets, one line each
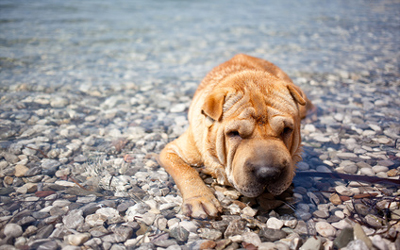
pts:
[256, 135]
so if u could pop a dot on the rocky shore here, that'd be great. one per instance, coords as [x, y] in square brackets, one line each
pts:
[79, 170]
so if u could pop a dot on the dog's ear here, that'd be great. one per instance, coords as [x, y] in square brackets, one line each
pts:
[297, 94]
[213, 106]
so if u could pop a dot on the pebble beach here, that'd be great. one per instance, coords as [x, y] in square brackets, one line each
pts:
[91, 92]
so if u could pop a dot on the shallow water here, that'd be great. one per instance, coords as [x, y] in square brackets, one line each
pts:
[58, 43]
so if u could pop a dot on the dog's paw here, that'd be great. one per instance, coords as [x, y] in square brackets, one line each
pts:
[201, 206]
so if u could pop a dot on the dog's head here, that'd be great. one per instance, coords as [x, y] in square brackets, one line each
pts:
[253, 121]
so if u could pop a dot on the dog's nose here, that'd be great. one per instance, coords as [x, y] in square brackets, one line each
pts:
[265, 173]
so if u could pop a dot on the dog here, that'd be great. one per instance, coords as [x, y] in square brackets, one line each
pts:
[244, 131]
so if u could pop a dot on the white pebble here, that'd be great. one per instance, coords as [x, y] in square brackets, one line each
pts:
[249, 211]
[12, 230]
[378, 169]
[342, 190]
[274, 223]
[325, 229]
[339, 214]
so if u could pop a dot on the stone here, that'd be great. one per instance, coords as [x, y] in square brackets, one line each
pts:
[269, 234]
[289, 221]
[87, 199]
[73, 219]
[168, 244]
[222, 244]
[341, 224]
[44, 232]
[379, 243]
[249, 211]
[209, 244]
[190, 226]
[49, 245]
[274, 223]
[94, 220]
[312, 243]
[108, 212]
[30, 230]
[378, 169]
[61, 203]
[77, 239]
[251, 237]
[301, 228]
[321, 214]
[359, 234]
[20, 242]
[20, 170]
[342, 190]
[367, 171]
[347, 156]
[325, 229]
[235, 227]
[12, 230]
[58, 102]
[179, 233]
[357, 245]
[393, 173]
[6, 191]
[210, 234]
[121, 234]
[345, 236]
[27, 220]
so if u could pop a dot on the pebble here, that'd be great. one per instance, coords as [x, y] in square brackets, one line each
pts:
[360, 235]
[179, 233]
[190, 226]
[12, 230]
[341, 224]
[312, 243]
[210, 234]
[94, 220]
[325, 229]
[274, 223]
[77, 239]
[347, 156]
[251, 237]
[20, 170]
[73, 219]
[342, 190]
[357, 245]
[345, 236]
[272, 234]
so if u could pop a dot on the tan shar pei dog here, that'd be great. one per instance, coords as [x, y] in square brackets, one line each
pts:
[244, 131]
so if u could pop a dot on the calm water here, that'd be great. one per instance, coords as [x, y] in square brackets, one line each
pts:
[111, 42]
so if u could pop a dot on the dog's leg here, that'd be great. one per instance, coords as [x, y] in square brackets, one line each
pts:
[176, 158]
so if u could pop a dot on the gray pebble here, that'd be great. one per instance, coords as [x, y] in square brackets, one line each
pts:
[312, 243]
[179, 233]
[357, 245]
[12, 230]
[73, 219]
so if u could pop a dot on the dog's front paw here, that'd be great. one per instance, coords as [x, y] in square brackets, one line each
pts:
[201, 206]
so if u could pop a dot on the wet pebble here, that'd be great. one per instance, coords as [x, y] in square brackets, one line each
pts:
[325, 229]
[12, 230]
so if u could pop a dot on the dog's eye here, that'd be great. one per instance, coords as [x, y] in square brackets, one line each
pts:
[233, 133]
